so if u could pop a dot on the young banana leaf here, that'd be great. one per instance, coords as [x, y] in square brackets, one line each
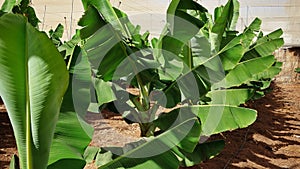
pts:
[33, 81]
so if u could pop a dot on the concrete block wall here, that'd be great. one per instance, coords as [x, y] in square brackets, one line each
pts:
[290, 56]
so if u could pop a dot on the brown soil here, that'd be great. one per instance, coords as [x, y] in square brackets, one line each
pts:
[7, 140]
[111, 130]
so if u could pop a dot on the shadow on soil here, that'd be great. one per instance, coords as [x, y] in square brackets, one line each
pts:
[259, 143]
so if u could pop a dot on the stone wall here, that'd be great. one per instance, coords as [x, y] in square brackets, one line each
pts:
[290, 58]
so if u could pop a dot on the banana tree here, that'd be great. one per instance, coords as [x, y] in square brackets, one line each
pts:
[48, 125]
[187, 70]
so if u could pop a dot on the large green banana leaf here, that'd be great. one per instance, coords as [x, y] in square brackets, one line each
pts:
[72, 134]
[182, 25]
[265, 45]
[100, 12]
[202, 152]
[245, 71]
[33, 81]
[201, 54]
[91, 21]
[246, 38]
[158, 148]
[230, 53]
[107, 46]
[219, 118]
[221, 23]
[103, 47]
[107, 11]
[174, 53]
[179, 14]
[269, 73]
[215, 118]
[212, 46]
[234, 97]
[233, 51]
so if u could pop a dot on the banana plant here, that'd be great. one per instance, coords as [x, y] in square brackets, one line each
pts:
[209, 53]
[218, 44]
[50, 132]
[33, 82]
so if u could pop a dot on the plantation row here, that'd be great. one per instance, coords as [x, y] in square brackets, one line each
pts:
[189, 83]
